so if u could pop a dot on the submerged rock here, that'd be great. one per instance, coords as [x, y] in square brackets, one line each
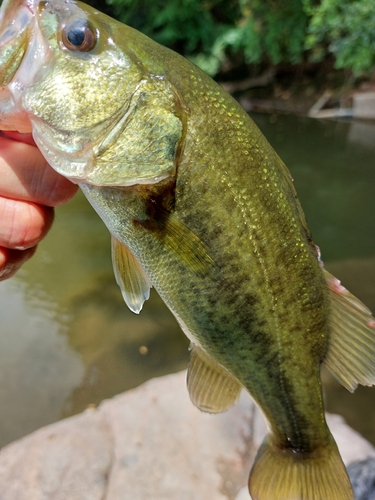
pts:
[149, 443]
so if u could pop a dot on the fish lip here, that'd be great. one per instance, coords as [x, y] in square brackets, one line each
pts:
[31, 5]
[19, 20]
[28, 5]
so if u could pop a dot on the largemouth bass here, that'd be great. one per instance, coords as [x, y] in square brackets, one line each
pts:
[201, 207]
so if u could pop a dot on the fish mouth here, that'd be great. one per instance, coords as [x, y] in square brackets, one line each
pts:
[22, 52]
[15, 21]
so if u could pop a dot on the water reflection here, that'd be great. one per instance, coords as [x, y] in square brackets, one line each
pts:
[67, 339]
[334, 178]
[38, 370]
[73, 269]
[119, 349]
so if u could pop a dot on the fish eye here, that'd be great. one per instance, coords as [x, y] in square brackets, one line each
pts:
[79, 36]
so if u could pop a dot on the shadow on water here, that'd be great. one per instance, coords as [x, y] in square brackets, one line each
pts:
[67, 339]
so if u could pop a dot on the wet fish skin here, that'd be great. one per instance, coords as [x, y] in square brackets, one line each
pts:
[235, 300]
[200, 206]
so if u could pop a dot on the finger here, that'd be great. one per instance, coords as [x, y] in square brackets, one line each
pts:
[17, 136]
[23, 224]
[12, 260]
[25, 175]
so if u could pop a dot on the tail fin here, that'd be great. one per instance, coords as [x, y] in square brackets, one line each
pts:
[280, 474]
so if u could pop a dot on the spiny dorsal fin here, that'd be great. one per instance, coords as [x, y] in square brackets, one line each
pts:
[350, 355]
[131, 278]
[212, 388]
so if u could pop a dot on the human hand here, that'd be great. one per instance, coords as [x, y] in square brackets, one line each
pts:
[29, 189]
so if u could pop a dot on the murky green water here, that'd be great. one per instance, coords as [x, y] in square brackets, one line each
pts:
[67, 339]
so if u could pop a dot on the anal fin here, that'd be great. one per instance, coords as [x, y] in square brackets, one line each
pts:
[130, 277]
[211, 388]
[350, 355]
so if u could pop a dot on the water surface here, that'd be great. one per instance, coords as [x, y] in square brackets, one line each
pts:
[67, 340]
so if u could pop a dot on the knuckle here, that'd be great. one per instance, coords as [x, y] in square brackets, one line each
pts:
[27, 176]
[60, 191]
[23, 224]
[46, 186]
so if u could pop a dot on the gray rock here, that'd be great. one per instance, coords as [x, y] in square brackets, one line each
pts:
[149, 443]
[70, 459]
[362, 476]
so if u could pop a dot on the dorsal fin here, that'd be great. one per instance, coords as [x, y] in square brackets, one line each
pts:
[131, 278]
[350, 355]
[211, 388]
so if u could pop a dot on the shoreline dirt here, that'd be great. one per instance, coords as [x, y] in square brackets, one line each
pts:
[298, 90]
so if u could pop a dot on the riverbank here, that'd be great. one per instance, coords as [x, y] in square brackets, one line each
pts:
[312, 90]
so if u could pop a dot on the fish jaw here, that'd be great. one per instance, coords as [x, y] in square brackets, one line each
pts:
[23, 51]
[27, 56]
[81, 106]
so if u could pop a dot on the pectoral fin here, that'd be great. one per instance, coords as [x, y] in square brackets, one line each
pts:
[351, 351]
[182, 241]
[211, 388]
[131, 278]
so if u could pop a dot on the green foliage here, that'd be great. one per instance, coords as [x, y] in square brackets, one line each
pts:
[211, 32]
[192, 24]
[272, 30]
[348, 29]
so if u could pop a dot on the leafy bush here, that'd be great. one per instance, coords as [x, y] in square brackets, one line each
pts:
[191, 27]
[347, 29]
[211, 32]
